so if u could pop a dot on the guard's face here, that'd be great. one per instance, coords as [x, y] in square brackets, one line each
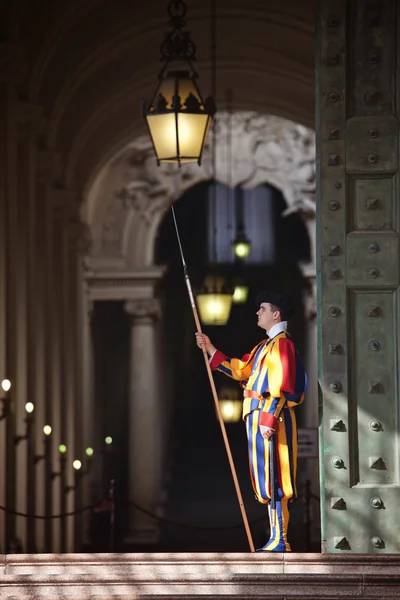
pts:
[266, 317]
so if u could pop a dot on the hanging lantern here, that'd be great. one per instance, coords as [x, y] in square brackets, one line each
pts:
[214, 302]
[241, 246]
[178, 118]
[230, 405]
[240, 294]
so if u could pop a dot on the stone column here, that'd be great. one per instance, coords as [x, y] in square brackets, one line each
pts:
[71, 422]
[88, 411]
[11, 72]
[44, 174]
[63, 405]
[78, 247]
[29, 325]
[144, 421]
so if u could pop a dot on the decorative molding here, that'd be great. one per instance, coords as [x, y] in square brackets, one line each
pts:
[122, 285]
[113, 283]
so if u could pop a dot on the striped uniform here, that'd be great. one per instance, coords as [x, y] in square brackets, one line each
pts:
[274, 382]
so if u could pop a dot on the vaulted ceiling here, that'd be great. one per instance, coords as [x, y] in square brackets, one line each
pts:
[89, 64]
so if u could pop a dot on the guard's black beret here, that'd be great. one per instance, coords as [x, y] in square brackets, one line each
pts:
[280, 300]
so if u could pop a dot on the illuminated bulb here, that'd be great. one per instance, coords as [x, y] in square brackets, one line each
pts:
[77, 465]
[108, 440]
[231, 410]
[240, 294]
[6, 385]
[241, 245]
[242, 250]
[29, 407]
[62, 448]
[89, 451]
[215, 308]
[47, 430]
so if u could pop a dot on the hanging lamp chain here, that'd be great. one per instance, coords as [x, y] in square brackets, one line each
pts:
[177, 44]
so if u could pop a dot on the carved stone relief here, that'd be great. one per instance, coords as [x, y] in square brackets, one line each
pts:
[266, 149]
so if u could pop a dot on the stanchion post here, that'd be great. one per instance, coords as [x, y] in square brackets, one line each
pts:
[48, 491]
[8, 415]
[31, 484]
[111, 495]
[63, 501]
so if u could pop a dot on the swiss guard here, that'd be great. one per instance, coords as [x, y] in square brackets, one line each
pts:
[274, 381]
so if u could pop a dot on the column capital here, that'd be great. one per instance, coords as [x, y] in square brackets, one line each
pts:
[12, 63]
[143, 309]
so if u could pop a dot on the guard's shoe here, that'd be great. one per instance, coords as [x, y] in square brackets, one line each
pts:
[281, 547]
[271, 546]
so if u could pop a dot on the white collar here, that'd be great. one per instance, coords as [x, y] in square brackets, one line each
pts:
[277, 328]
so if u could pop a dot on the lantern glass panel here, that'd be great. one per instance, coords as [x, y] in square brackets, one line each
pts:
[214, 309]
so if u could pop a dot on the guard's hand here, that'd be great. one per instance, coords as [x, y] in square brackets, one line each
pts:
[266, 432]
[203, 341]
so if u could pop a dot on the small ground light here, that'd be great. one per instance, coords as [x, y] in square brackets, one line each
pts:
[89, 451]
[108, 440]
[77, 465]
[29, 407]
[47, 430]
[62, 448]
[6, 385]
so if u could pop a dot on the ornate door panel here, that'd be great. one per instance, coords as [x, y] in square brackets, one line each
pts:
[358, 187]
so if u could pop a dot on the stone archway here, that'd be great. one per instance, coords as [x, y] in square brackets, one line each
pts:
[124, 209]
[130, 196]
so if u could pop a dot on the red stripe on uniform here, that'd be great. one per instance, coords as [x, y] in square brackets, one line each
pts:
[217, 359]
[288, 360]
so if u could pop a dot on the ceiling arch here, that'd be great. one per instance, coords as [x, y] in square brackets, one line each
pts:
[91, 63]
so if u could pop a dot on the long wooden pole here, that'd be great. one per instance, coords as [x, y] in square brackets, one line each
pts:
[214, 393]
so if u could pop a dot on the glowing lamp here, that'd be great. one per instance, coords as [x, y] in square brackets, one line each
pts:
[62, 448]
[177, 117]
[108, 440]
[77, 465]
[89, 451]
[6, 385]
[47, 430]
[231, 410]
[241, 246]
[214, 301]
[240, 294]
[214, 308]
[29, 407]
[230, 405]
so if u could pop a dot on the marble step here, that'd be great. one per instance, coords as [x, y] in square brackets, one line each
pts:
[180, 576]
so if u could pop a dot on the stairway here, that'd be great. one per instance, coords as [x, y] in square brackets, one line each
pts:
[184, 576]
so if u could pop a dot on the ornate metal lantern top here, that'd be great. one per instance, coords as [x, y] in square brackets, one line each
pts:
[177, 117]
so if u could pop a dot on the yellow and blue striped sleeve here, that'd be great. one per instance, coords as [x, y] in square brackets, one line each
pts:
[236, 368]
